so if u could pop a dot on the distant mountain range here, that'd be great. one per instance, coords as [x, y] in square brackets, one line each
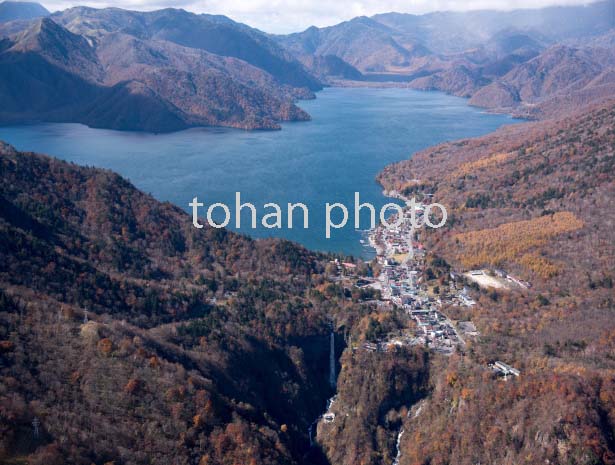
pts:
[158, 71]
[393, 42]
[171, 69]
[491, 54]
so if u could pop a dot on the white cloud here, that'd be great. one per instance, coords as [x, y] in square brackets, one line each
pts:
[283, 16]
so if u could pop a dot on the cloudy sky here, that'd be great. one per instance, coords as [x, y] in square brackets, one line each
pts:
[283, 16]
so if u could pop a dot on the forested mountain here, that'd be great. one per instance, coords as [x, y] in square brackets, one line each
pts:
[578, 75]
[158, 71]
[536, 200]
[361, 42]
[134, 338]
[176, 345]
[215, 34]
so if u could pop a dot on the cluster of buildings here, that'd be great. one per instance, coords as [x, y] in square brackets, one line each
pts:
[401, 259]
[504, 370]
[436, 330]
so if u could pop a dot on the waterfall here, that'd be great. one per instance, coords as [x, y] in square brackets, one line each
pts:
[312, 430]
[332, 361]
[398, 456]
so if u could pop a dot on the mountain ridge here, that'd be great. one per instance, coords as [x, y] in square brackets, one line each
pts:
[467, 53]
[187, 86]
[211, 352]
[503, 192]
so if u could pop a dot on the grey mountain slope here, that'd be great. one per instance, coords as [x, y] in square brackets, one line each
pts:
[12, 11]
[214, 34]
[406, 44]
[504, 60]
[361, 42]
[97, 80]
[449, 32]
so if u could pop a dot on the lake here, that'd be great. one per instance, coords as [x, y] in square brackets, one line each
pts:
[353, 134]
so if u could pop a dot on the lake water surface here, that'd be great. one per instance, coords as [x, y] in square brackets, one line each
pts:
[353, 135]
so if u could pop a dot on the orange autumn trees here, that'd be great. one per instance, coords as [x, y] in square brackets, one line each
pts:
[515, 242]
[536, 201]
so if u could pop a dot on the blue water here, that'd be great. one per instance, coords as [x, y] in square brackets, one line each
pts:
[354, 133]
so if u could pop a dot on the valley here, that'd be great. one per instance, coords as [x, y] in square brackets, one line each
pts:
[129, 336]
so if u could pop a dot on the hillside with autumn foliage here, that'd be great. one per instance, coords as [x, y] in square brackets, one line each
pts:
[129, 337]
[535, 200]
[133, 338]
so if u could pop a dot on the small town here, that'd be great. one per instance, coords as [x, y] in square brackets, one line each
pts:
[400, 258]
